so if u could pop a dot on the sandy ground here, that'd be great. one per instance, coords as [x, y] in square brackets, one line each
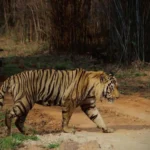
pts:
[129, 116]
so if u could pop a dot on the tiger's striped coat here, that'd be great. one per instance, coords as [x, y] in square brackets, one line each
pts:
[66, 88]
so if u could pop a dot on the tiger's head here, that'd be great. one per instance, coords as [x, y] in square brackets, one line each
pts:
[110, 91]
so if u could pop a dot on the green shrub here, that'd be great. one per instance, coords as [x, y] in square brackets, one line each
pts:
[11, 142]
[53, 145]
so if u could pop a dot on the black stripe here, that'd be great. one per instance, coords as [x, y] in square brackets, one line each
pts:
[28, 86]
[13, 78]
[68, 76]
[62, 76]
[76, 73]
[42, 95]
[71, 75]
[27, 74]
[21, 96]
[24, 107]
[91, 97]
[31, 83]
[64, 80]
[22, 112]
[13, 89]
[45, 80]
[17, 114]
[3, 87]
[22, 83]
[84, 89]
[64, 111]
[37, 79]
[28, 98]
[93, 117]
[52, 90]
[17, 78]
[33, 86]
[1, 96]
[87, 107]
[56, 99]
[50, 84]
[57, 77]
[90, 90]
[40, 80]
[1, 104]
[77, 92]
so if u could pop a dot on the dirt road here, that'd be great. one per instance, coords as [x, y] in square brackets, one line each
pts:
[129, 116]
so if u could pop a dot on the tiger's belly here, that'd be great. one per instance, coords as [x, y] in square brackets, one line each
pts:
[47, 103]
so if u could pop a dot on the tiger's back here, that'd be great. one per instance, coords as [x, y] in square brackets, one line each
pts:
[44, 87]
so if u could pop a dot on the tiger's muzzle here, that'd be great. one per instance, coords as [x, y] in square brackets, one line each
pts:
[112, 99]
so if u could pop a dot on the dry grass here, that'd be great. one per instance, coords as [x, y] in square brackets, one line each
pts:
[19, 57]
[12, 48]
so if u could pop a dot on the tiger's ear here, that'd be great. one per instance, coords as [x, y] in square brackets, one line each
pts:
[103, 78]
[111, 74]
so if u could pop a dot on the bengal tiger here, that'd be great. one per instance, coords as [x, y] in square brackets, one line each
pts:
[66, 88]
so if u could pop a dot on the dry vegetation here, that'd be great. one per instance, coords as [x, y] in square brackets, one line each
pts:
[94, 35]
[110, 30]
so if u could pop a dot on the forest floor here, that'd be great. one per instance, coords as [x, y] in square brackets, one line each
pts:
[129, 115]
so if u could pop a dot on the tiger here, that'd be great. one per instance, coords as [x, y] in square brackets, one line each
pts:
[66, 88]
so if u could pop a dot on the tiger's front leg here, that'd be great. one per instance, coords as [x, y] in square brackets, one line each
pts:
[67, 110]
[92, 112]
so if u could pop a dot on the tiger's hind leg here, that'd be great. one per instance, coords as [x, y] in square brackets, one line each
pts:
[10, 114]
[19, 110]
[20, 124]
[8, 120]
[92, 112]
[67, 111]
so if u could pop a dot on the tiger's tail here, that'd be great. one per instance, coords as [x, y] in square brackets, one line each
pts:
[3, 90]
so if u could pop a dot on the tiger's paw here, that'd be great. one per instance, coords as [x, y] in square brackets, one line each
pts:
[67, 129]
[28, 132]
[107, 130]
[8, 133]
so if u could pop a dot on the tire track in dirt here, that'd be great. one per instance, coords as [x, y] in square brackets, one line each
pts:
[133, 106]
